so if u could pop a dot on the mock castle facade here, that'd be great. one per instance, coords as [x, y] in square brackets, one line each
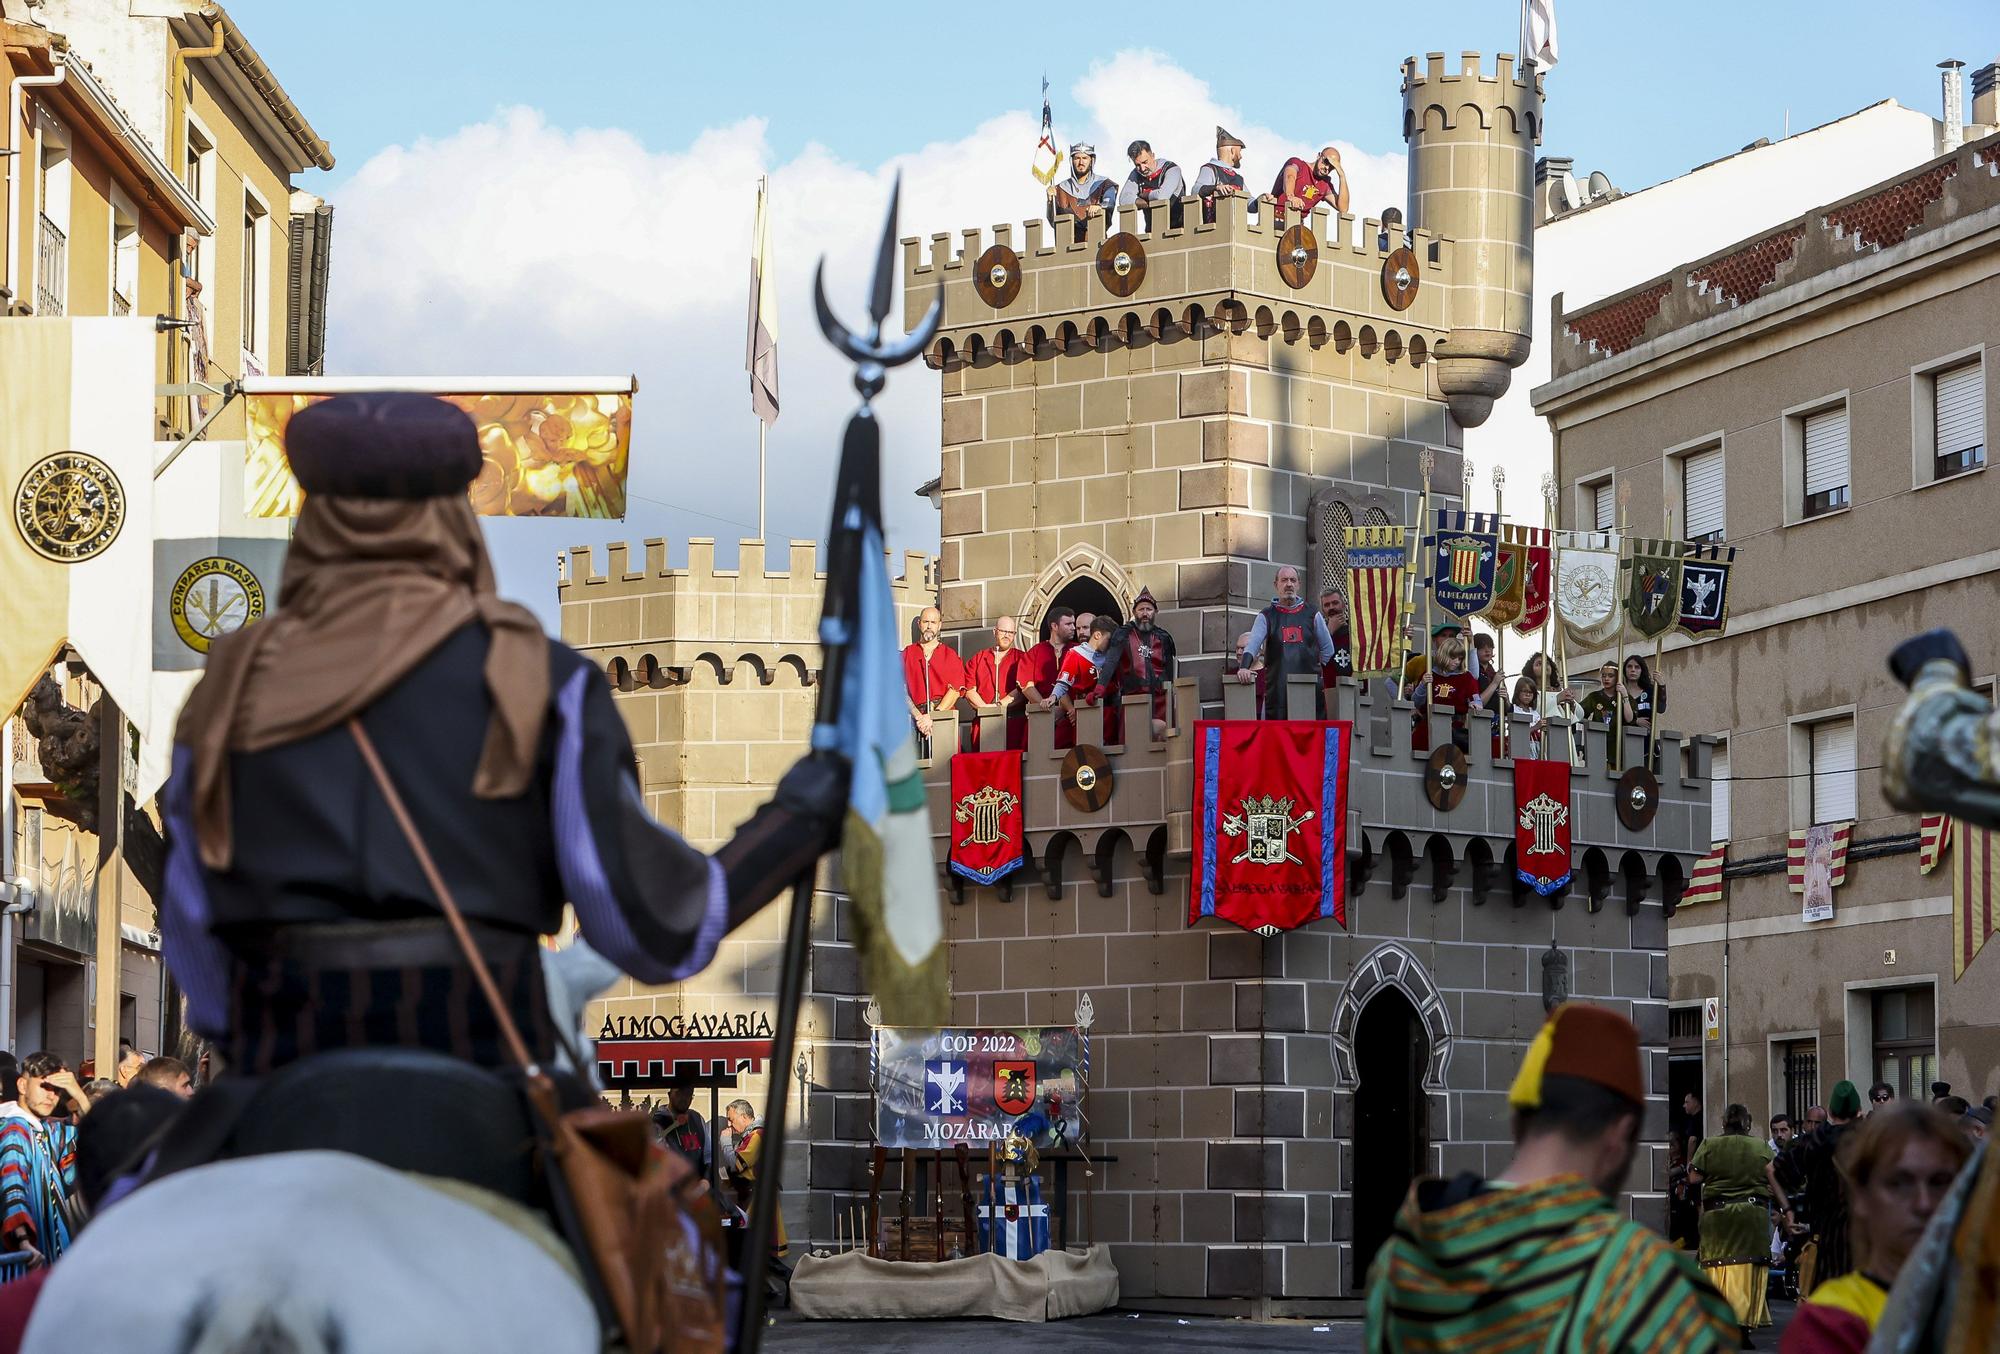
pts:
[1221, 399]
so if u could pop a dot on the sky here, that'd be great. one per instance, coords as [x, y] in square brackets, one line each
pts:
[533, 189]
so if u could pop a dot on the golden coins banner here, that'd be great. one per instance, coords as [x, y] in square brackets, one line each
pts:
[546, 454]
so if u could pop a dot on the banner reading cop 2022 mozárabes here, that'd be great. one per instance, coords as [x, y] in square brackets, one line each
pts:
[551, 446]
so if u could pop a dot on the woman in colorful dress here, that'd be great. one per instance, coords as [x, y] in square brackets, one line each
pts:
[1736, 1216]
[1898, 1165]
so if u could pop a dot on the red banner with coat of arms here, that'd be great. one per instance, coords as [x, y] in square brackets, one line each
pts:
[1541, 824]
[1270, 822]
[986, 835]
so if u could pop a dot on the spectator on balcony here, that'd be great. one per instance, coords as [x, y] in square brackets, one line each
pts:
[1220, 177]
[1301, 187]
[995, 676]
[1044, 661]
[1449, 686]
[1152, 181]
[1079, 680]
[1084, 194]
[1417, 664]
[1640, 696]
[1485, 671]
[1294, 641]
[1601, 705]
[1523, 702]
[1333, 610]
[1553, 699]
[1140, 661]
[933, 676]
[1256, 667]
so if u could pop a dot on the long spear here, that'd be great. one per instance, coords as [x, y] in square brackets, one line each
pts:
[857, 501]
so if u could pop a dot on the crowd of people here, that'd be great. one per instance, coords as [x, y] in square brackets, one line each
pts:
[1300, 185]
[1823, 1211]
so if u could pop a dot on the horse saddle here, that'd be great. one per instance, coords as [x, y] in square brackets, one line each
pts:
[409, 1109]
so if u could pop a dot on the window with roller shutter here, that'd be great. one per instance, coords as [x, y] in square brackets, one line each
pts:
[1701, 494]
[1718, 813]
[1959, 411]
[1833, 770]
[1826, 462]
[1603, 507]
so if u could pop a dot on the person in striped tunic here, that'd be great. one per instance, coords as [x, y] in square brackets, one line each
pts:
[1543, 1257]
[38, 1206]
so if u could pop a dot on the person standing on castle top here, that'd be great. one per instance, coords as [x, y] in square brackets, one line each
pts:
[1084, 194]
[1141, 659]
[1543, 1256]
[295, 916]
[1079, 678]
[1300, 187]
[1333, 610]
[1220, 177]
[1256, 666]
[995, 675]
[933, 676]
[1044, 661]
[1293, 640]
[1152, 180]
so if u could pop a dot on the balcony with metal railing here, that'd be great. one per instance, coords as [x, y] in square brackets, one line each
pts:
[120, 305]
[51, 268]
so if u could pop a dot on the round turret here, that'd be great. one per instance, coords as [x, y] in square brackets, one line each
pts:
[1472, 139]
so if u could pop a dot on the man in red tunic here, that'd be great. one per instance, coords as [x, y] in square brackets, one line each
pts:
[1300, 187]
[996, 675]
[1044, 661]
[933, 676]
[1143, 660]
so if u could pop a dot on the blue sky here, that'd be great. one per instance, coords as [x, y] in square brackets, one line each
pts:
[590, 169]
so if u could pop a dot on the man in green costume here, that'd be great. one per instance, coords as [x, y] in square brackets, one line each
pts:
[1543, 1257]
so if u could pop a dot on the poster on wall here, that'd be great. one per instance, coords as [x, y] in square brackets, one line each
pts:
[938, 1088]
[550, 446]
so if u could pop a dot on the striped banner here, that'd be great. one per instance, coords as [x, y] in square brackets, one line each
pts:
[1376, 607]
[1705, 884]
[1975, 880]
[1933, 840]
[1816, 865]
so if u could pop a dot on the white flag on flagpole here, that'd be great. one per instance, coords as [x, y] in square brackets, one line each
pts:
[1538, 31]
[761, 358]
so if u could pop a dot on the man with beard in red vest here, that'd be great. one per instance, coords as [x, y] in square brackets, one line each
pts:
[1294, 642]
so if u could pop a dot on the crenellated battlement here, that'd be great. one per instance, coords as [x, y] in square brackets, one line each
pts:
[1449, 92]
[1195, 276]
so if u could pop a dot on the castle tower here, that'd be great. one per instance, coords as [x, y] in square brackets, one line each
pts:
[1186, 409]
[1472, 139]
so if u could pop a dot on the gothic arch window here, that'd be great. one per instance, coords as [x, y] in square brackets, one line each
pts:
[1077, 563]
[1331, 512]
[1391, 965]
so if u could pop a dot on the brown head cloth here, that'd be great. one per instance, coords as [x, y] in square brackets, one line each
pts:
[374, 582]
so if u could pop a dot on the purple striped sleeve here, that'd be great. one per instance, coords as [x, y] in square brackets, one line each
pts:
[584, 878]
[194, 956]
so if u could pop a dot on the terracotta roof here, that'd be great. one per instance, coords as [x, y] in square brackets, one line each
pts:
[1617, 326]
[1743, 275]
[1885, 217]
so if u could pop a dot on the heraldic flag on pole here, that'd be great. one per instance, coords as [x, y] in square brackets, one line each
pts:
[1270, 822]
[1375, 595]
[1047, 158]
[761, 357]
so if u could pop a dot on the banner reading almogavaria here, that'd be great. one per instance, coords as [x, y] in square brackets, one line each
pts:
[552, 446]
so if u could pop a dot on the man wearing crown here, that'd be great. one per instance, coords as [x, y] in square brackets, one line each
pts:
[1084, 194]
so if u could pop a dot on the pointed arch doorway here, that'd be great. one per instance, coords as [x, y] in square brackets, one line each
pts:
[1391, 1117]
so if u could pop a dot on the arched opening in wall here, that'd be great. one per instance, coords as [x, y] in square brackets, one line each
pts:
[1085, 594]
[1391, 1118]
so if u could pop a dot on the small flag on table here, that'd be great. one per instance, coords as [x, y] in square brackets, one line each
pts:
[1013, 1220]
[1705, 884]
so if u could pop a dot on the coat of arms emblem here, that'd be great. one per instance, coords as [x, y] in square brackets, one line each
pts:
[1542, 815]
[1014, 1085]
[1266, 825]
[984, 809]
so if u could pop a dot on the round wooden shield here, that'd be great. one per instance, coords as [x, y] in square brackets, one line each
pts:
[1298, 256]
[1086, 778]
[996, 276]
[1444, 778]
[1121, 263]
[1399, 278]
[1638, 798]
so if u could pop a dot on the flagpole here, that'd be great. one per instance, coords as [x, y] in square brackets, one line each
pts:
[762, 428]
[1500, 631]
[1426, 462]
[1659, 645]
[1617, 603]
[1549, 617]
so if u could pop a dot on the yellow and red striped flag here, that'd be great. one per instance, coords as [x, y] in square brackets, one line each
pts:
[1933, 840]
[1376, 566]
[1975, 882]
[1705, 884]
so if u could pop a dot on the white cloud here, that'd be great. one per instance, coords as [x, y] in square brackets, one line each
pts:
[514, 247]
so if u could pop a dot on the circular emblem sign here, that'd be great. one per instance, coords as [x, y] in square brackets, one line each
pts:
[212, 598]
[1121, 263]
[996, 276]
[1086, 778]
[1298, 256]
[1400, 279]
[1638, 798]
[69, 507]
